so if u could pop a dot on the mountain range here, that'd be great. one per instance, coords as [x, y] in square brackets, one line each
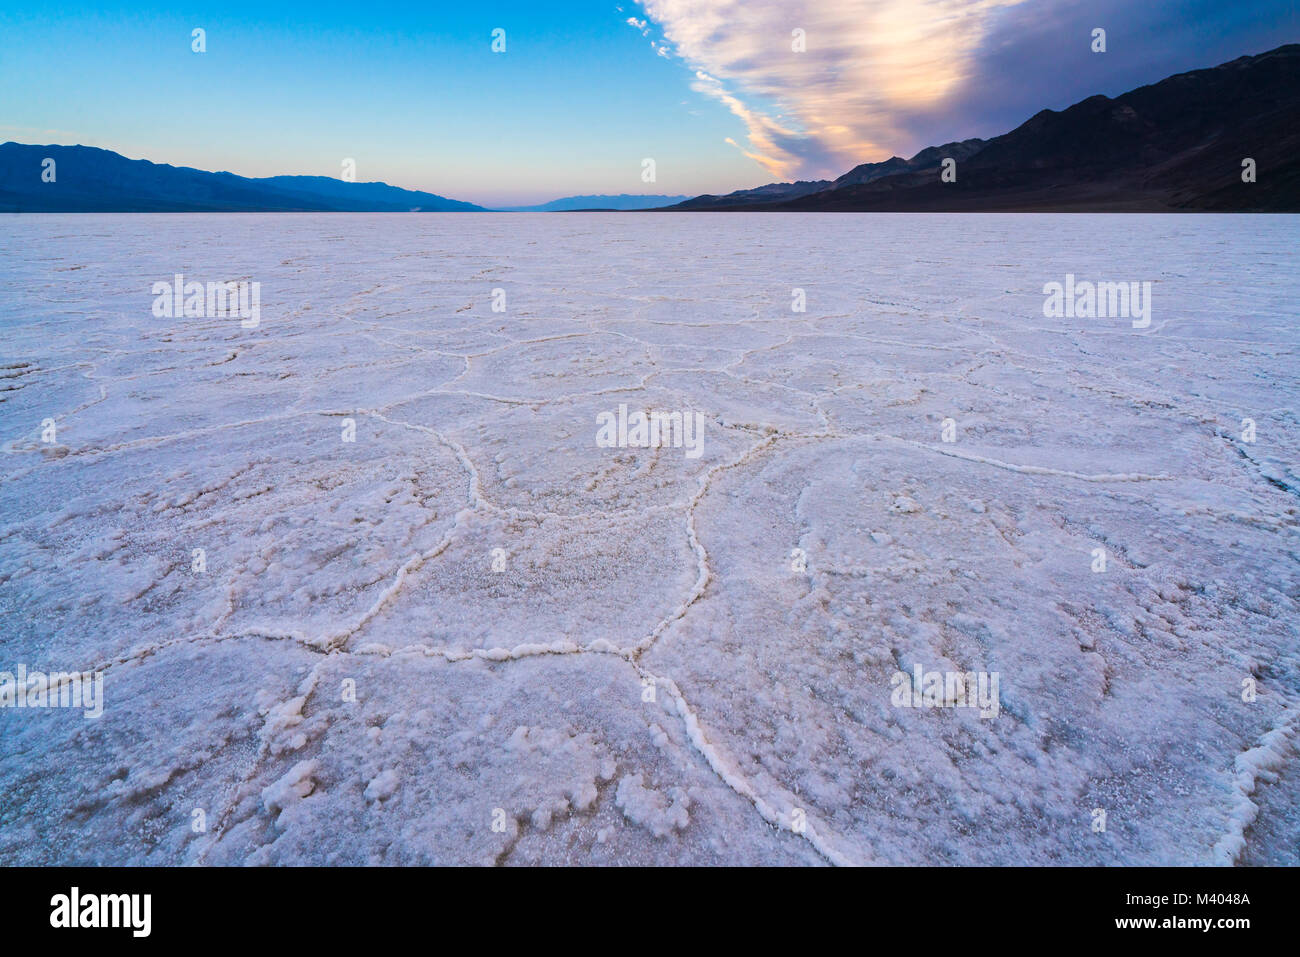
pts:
[1180, 144]
[88, 179]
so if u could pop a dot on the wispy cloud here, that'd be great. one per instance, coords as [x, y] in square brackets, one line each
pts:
[867, 67]
[34, 134]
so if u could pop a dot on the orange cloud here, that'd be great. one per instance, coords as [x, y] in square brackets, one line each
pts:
[866, 65]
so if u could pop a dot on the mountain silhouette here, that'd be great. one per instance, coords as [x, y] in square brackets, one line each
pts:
[1179, 144]
[88, 179]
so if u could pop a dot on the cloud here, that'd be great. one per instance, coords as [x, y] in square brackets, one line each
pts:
[869, 66]
[1039, 56]
[34, 134]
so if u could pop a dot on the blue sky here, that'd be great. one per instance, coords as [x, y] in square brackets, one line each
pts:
[710, 89]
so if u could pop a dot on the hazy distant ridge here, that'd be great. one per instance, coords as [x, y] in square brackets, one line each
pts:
[625, 201]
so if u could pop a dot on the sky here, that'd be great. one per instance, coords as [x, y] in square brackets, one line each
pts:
[717, 93]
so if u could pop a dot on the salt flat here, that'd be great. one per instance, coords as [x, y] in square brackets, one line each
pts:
[472, 634]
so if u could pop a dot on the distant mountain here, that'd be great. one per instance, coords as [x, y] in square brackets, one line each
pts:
[87, 179]
[622, 201]
[771, 193]
[1174, 145]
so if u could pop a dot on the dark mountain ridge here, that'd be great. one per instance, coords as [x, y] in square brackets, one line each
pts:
[1178, 144]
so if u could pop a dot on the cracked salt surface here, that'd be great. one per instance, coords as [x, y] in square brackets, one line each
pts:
[648, 678]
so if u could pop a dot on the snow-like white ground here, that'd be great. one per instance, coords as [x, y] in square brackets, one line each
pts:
[519, 697]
